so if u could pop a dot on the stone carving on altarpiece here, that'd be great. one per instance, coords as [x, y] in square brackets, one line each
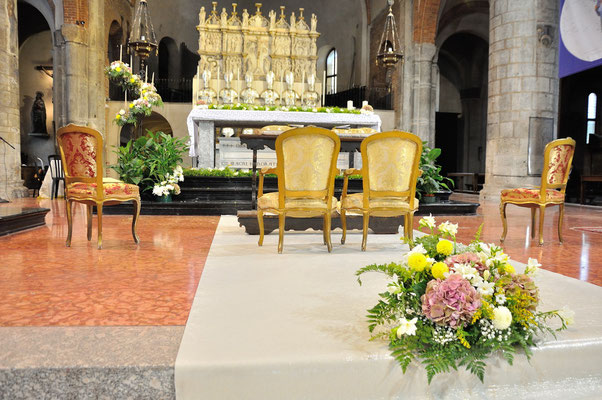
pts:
[254, 44]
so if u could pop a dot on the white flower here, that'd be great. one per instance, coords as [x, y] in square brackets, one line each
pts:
[158, 190]
[567, 315]
[428, 222]
[467, 271]
[486, 274]
[532, 267]
[498, 258]
[406, 327]
[485, 288]
[122, 111]
[500, 298]
[502, 318]
[448, 228]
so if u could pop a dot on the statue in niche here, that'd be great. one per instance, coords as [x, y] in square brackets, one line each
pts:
[249, 95]
[269, 96]
[262, 58]
[272, 15]
[250, 61]
[293, 21]
[289, 96]
[224, 17]
[314, 22]
[38, 115]
[245, 18]
[311, 98]
[202, 16]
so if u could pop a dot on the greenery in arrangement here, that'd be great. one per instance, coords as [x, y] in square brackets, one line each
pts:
[252, 107]
[151, 161]
[144, 94]
[227, 172]
[449, 305]
[431, 180]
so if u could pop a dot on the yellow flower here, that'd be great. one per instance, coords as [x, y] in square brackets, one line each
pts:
[439, 269]
[445, 247]
[118, 116]
[132, 105]
[118, 69]
[132, 80]
[417, 261]
[509, 269]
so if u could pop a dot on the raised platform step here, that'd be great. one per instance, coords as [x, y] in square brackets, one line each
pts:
[212, 207]
[15, 219]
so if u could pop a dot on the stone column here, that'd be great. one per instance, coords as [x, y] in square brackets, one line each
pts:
[523, 83]
[424, 91]
[11, 184]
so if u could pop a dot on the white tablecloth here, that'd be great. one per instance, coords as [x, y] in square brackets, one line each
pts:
[292, 326]
[202, 122]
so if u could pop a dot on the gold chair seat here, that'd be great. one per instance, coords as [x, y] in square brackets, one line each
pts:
[110, 190]
[356, 202]
[524, 194]
[270, 201]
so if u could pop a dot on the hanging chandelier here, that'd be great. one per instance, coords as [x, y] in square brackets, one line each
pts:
[142, 38]
[389, 51]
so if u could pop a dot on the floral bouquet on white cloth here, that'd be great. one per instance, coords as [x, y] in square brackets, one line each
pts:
[170, 184]
[450, 305]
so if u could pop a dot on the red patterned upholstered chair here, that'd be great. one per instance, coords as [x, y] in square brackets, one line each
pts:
[82, 156]
[558, 157]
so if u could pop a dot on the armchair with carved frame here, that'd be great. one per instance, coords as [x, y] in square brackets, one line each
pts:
[81, 151]
[390, 170]
[306, 169]
[558, 158]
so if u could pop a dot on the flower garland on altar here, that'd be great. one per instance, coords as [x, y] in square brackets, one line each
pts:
[365, 110]
[146, 93]
[449, 305]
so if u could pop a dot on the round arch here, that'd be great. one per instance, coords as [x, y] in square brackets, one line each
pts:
[44, 8]
[154, 123]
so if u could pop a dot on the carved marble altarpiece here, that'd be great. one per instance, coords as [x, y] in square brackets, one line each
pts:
[253, 44]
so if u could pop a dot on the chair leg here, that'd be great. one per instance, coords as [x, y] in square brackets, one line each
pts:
[260, 222]
[365, 230]
[324, 229]
[344, 226]
[327, 229]
[52, 189]
[135, 220]
[560, 221]
[99, 216]
[533, 212]
[542, 210]
[69, 222]
[504, 222]
[281, 221]
[89, 219]
[408, 230]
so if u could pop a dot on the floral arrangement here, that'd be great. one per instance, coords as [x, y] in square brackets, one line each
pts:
[170, 184]
[367, 110]
[227, 172]
[146, 93]
[450, 305]
[253, 107]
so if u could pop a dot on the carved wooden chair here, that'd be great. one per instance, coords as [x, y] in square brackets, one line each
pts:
[82, 157]
[390, 170]
[306, 169]
[558, 158]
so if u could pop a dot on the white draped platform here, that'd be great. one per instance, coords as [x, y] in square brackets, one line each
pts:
[292, 326]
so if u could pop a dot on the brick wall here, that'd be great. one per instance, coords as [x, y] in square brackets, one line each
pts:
[425, 20]
[75, 11]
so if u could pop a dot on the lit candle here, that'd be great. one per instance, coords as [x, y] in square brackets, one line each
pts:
[350, 104]
[153, 81]
[324, 88]
[132, 62]
[125, 100]
[364, 103]
[120, 52]
[146, 75]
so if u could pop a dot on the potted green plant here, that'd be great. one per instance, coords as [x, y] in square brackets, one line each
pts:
[431, 181]
[151, 162]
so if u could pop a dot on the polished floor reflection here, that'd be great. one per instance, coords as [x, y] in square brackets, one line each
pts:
[44, 283]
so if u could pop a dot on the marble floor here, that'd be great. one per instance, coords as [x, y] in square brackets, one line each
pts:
[45, 283]
[110, 321]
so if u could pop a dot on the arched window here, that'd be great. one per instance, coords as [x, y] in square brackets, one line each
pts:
[592, 103]
[331, 72]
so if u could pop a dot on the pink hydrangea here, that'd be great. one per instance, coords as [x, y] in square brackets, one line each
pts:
[450, 302]
[466, 258]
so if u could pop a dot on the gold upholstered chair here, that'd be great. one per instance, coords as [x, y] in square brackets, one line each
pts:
[558, 157]
[306, 168]
[82, 156]
[390, 169]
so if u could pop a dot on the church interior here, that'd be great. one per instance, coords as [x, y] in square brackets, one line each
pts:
[159, 130]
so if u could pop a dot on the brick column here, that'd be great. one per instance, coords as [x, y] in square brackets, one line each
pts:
[11, 184]
[523, 83]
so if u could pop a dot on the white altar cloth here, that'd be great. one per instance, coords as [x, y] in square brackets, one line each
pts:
[292, 326]
[202, 122]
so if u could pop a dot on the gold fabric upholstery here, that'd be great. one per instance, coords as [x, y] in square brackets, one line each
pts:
[558, 157]
[356, 202]
[82, 156]
[390, 163]
[306, 169]
[307, 162]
